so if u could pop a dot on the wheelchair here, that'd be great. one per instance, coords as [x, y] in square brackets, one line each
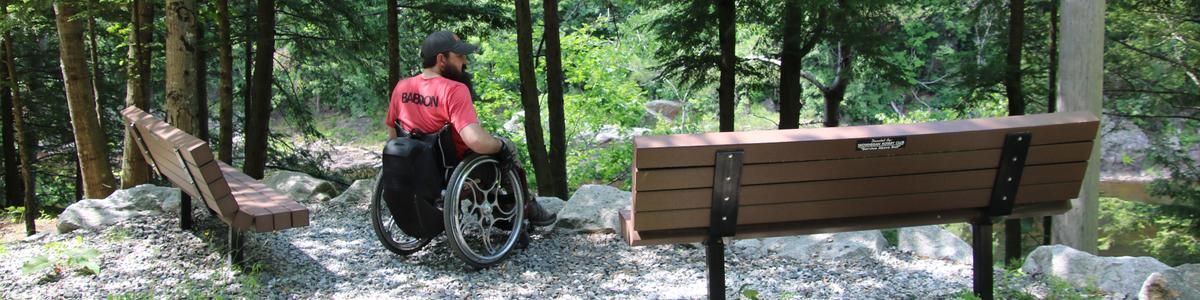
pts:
[483, 211]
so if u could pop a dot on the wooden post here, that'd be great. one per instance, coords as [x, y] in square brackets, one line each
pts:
[1081, 78]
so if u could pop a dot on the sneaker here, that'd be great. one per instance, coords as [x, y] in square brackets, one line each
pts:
[539, 216]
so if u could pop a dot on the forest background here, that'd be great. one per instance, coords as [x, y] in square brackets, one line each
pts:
[272, 84]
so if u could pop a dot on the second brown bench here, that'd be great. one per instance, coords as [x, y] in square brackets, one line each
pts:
[245, 204]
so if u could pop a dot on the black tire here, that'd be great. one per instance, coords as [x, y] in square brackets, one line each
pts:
[386, 230]
[472, 198]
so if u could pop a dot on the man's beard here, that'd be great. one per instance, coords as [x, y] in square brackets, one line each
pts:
[460, 76]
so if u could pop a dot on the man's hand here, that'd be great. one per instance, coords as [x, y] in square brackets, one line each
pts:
[507, 156]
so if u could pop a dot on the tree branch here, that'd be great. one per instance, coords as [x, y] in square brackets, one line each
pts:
[764, 59]
[813, 79]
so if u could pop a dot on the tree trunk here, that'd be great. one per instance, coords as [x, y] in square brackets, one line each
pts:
[529, 100]
[791, 62]
[201, 64]
[836, 92]
[98, 181]
[12, 176]
[78, 181]
[95, 63]
[1052, 98]
[248, 72]
[726, 23]
[137, 89]
[1052, 91]
[225, 141]
[1081, 82]
[1016, 107]
[23, 141]
[1012, 70]
[259, 115]
[554, 99]
[393, 46]
[182, 106]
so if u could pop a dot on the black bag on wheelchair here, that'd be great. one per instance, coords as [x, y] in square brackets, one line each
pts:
[415, 167]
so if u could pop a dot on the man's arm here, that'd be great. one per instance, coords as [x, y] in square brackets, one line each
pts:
[478, 139]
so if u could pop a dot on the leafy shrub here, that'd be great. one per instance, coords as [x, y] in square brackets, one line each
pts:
[60, 258]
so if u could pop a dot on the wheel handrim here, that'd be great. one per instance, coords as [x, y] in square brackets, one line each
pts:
[479, 215]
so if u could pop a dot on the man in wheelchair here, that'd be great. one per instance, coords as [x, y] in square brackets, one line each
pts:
[430, 106]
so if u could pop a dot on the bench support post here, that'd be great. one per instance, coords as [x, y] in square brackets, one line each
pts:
[981, 248]
[722, 222]
[185, 211]
[236, 239]
[714, 251]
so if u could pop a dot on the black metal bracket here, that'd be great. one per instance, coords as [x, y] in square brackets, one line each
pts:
[727, 181]
[1008, 175]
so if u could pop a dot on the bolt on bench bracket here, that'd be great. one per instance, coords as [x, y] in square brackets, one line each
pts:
[1008, 175]
[727, 181]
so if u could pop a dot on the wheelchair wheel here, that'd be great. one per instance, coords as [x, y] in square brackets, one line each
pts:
[484, 215]
[385, 226]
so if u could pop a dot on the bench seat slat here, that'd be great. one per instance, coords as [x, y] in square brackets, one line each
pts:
[282, 211]
[683, 150]
[696, 177]
[853, 207]
[695, 235]
[853, 188]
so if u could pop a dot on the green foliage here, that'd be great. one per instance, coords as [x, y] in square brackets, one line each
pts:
[600, 95]
[60, 258]
[748, 292]
[14, 214]
[1164, 236]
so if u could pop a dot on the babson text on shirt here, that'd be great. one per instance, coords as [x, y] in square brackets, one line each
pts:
[419, 99]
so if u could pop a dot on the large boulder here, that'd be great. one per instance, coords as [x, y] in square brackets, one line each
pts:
[301, 187]
[594, 208]
[934, 241]
[848, 246]
[665, 109]
[551, 204]
[1121, 277]
[1182, 282]
[358, 192]
[121, 205]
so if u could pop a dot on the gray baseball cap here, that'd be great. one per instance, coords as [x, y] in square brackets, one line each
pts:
[443, 41]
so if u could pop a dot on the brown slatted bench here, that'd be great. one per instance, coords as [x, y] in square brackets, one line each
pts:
[718, 186]
[237, 199]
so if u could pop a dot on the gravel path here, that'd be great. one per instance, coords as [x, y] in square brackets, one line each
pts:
[338, 257]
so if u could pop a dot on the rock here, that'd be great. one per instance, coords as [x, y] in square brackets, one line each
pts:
[515, 124]
[1119, 276]
[301, 187]
[843, 246]
[551, 204]
[1182, 282]
[120, 205]
[665, 109]
[933, 241]
[594, 208]
[358, 192]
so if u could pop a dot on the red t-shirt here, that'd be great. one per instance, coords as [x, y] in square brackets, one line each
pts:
[427, 104]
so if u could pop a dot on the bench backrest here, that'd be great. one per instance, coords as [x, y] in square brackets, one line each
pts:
[851, 178]
[184, 160]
